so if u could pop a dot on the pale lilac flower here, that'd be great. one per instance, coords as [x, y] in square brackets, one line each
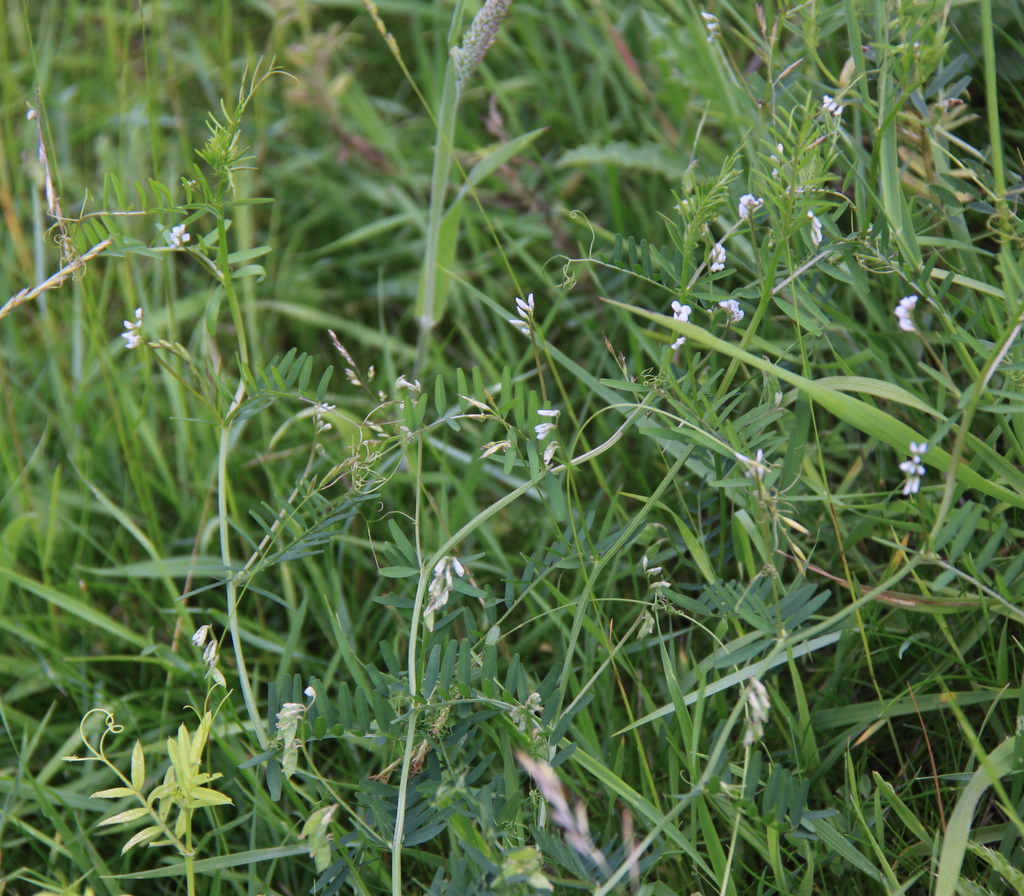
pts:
[711, 23]
[179, 236]
[717, 258]
[815, 229]
[310, 692]
[681, 313]
[133, 331]
[543, 430]
[748, 204]
[830, 105]
[903, 313]
[914, 468]
[732, 308]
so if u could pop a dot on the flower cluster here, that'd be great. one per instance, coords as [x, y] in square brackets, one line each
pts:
[440, 587]
[903, 312]
[830, 105]
[682, 313]
[319, 424]
[748, 205]
[711, 23]
[717, 258]
[179, 236]
[133, 331]
[543, 430]
[914, 469]
[759, 703]
[732, 308]
[211, 653]
[524, 322]
[815, 228]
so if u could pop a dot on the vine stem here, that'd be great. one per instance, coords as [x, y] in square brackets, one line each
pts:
[231, 587]
[426, 570]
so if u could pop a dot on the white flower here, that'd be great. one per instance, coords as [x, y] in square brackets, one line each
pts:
[543, 430]
[179, 236]
[310, 692]
[749, 203]
[553, 414]
[525, 309]
[732, 308]
[903, 312]
[318, 417]
[682, 313]
[199, 638]
[756, 468]
[759, 703]
[717, 258]
[403, 383]
[440, 587]
[711, 23]
[549, 452]
[815, 229]
[830, 105]
[914, 468]
[133, 331]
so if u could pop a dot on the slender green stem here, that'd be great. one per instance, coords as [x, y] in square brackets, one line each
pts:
[224, 273]
[231, 586]
[430, 302]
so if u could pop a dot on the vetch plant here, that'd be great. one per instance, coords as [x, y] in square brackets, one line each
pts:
[184, 789]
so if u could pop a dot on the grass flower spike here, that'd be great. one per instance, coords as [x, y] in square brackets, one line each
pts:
[479, 37]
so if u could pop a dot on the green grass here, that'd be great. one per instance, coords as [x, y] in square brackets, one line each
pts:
[705, 644]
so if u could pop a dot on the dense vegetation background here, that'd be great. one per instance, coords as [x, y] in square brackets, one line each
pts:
[588, 463]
